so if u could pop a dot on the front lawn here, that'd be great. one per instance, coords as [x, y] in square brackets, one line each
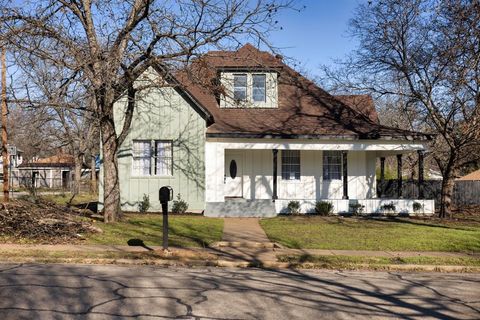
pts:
[184, 231]
[373, 234]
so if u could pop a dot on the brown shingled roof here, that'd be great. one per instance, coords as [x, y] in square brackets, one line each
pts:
[475, 175]
[304, 109]
[362, 103]
[61, 160]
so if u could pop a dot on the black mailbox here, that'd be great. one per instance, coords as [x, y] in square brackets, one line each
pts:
[165, 194]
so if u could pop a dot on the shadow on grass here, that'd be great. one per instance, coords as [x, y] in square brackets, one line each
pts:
[418, 223]
[91, 205]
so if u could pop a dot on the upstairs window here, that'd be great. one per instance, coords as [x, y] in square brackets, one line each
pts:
[332, 165]
[259, 87]
[291, 164]
[240, 87]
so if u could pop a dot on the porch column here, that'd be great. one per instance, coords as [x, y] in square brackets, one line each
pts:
[274, 192]
[421, 194]
[399, 176]
[382, 176]
[345, 174]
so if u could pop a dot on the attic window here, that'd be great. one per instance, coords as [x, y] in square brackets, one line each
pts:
[240, 87]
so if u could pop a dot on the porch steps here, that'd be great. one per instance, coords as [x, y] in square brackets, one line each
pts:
[239, 207]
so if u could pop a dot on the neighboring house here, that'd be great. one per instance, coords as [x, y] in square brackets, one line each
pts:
[15, 161]
[53, 172]
[265, 137]
[472, 176]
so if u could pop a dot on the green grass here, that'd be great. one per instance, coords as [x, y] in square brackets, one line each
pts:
[373, 234]
[352, 261]
[184, 231]
[63, 198]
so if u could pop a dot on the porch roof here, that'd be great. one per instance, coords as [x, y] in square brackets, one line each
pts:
[381, 147]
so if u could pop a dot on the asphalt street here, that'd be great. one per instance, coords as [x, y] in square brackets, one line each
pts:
[54, 291]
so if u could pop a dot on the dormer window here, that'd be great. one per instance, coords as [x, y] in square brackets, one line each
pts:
[244, 89]
[259, 87]
[240, 87]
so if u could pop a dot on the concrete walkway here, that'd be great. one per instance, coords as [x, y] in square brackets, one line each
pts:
[243, 230]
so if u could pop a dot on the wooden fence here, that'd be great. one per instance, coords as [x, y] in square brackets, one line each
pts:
[464, 192]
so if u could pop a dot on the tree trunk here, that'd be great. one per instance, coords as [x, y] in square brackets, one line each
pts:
[111, 187]
[447, 189]
[4, 111]
[93, 176]
[78, 173]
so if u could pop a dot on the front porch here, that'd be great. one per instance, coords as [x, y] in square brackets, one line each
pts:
[260, 177]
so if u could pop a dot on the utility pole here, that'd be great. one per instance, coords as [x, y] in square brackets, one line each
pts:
[6, 160]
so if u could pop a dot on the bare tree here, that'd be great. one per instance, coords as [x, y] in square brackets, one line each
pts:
[108, 43]
[427, 53]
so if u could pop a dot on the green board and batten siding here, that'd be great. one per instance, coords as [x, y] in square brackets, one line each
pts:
[164, 114]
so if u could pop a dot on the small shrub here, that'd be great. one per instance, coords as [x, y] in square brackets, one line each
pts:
[388, 208]
[144, 205]
[323, 208]
[293, 207]
[417, 206]
[179, 205]
[357, 209]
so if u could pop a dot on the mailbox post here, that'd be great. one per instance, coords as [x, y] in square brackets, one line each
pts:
[165, 195]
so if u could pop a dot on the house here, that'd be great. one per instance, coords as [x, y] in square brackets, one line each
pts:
[16, 159]
[54, 172]
[263, 136]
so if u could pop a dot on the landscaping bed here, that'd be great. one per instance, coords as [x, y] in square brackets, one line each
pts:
[391, 234]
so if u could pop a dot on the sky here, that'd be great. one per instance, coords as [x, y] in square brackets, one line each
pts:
[317, 34]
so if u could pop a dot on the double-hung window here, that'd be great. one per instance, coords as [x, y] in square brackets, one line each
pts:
[332, 165]
[291, 164]
[163, 158]
[259, 87]
[240, 87]
[144, 154]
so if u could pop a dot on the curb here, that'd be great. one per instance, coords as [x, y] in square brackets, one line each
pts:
[247, 264]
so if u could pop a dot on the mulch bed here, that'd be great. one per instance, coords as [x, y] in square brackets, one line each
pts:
[40, 221]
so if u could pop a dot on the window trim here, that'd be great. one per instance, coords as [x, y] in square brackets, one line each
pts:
[284, 164]
[327, 166]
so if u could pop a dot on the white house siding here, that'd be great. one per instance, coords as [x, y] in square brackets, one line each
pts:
[258, 176]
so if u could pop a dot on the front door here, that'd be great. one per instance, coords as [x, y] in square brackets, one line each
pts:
[233, 175]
